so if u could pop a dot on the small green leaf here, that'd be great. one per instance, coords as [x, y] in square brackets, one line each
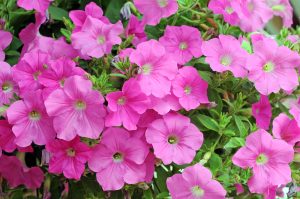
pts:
[208, 122]
[58, 13]
[241, 126]
[215, 163]
[234, 142]
[163, 195]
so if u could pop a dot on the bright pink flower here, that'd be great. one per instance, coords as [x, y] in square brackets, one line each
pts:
[190, 88]
[269, 158]
[119, 158]
[26, 73]
[262, 112]
[77, 109]
[137, 29]
[8, 85]
[165, 105]
[283, 9]
[224, 7]
[272, 67]
[174, 138]
[161, 8]
[156, 68]
[6, 38]
[225, 54]
[147, 118]
[239, 188]
[286, 129]
[183, 43]
[126, 106]
[295, 111]
[7, 137]
[38, 5]
[96, 38]
[68, 157]
[30, 120]
[194, 183]
[56, 74]
[91, 9]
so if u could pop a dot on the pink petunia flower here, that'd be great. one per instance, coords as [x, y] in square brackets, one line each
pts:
[26, 73]
[194, 183]
[190, 88]
[174, 138]
[295, 111]
[56, 74]
[126, 106]
[119, 158]
[156, 68]
[269, 159]
[77, 109]
[6, 38]
[137, 29]
[166, 104]
[183, 43]
[262, 112]
[7, 137]
[272, 67]
[30, 120]
[225, 54]
[95, 39]
[286, 129]
[68, 157]
[8, 85]
[283, 9]
[38, 5]
[224, 7]
[161, 8]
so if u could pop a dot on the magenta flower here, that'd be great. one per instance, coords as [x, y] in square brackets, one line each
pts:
[126, 106]
[286, 129]
[225, 54]
[119, 158]
[262, 112]
[77, 109]
[174, 139]
[137, 29]
[183, 42]
[8, 85]
[7, 137]
[96, 38]
[269, 158]
[272, 67]
[38, 5]
[190, 88]
[30, 120]
[161, 8]
[165, 105]
[6, 38]
[27, 72]
[194, 183]
[224, 7]
[156, 68]
[68, 157]
[56, 74]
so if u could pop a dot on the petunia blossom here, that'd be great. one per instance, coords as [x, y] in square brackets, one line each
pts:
[224, 7]
[6, 38]
[7, 137]
[8, 85]
[77, 109]
[38, 5]
[283, 9]
[262, 112]
[194, 183]
[136, 29]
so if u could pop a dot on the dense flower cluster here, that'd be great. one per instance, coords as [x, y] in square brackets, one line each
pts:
[51, 102]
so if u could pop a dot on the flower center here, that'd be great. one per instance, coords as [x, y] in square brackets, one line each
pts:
[172, 139]
[71, 152]
[187, 90]
[7, 87]
[229, 10]
[36, 75]
[34, 115]
[118, 157]
[101, 39]
[261, 159]
[197, 191]
[226, 60]
[279, 8]
[62, 82]
[162, 3]
[250, 6]
[121, 101]
[146, 69]
[80, 105]
[268, 67]
[183, 46]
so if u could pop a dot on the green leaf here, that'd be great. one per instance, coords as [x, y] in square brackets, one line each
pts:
[161, 179]
[147, 194]
[58, 13]
[113, 10]
[235, 142]
[215, 163]
[241, 126]
[208, 122]
[163, 195]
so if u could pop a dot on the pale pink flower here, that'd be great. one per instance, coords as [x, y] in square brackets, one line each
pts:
[8, 85]
[182, 42]
[174, 138]
[283, 9]
[95, 39]
[194, 183]
[268, 158]
[154, 10]
[225, 54]
[126, 106]
[286, 129]
[30, 120]
[272, 67]
[262, 112]
[77, 109]
[38, 5]
[119, 158]
[7, 137]
[190, 88]
[156, 68]
[6, 38]
[68, 157]
[136, 29]
[224, 7]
